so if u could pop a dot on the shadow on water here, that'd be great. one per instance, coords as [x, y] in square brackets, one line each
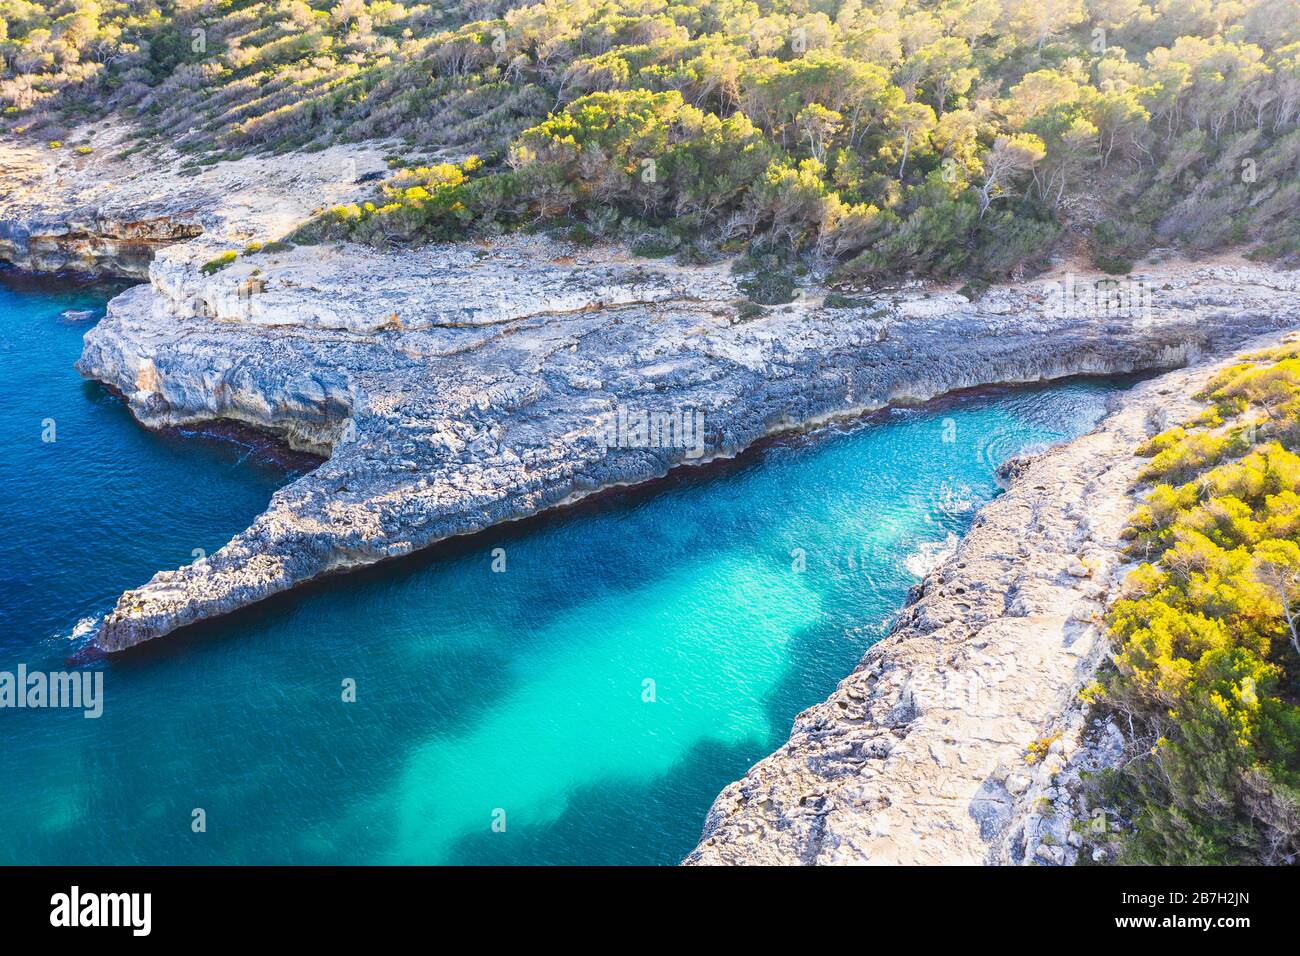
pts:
[60, 284]
[607, 822]
[403, 569]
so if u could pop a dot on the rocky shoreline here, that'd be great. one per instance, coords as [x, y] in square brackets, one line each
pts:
[959, 738]
[451, 388]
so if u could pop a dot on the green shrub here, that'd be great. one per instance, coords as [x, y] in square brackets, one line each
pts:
[213, 266]
[769, 288]
[837, 301]
[419, 203]
[1207, 666]
[1113, 265]
[656, 244]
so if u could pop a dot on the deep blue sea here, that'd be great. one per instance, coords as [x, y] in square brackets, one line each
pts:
[638, 652]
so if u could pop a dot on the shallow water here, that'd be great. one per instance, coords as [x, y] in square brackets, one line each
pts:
[637, 653]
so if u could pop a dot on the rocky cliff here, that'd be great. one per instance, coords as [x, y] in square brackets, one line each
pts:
[455, 387]
[89, 240]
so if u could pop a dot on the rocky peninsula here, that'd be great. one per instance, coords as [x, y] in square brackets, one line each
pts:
[454, 387]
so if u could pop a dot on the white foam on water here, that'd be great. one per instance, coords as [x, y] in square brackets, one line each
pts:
[955, 499]
[83, 627]
[930, 554]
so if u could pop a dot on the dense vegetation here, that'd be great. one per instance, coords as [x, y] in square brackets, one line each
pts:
[936, 137]
[1208, 634]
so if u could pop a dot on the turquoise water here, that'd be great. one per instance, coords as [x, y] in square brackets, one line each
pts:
[637, 653]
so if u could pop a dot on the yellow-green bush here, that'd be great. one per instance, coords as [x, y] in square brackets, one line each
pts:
[425, 202]
[216, 264]
[1176, 454]
[1206, 657]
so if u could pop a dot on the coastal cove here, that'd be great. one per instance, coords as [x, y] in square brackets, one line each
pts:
[646, 435]
[637, 653]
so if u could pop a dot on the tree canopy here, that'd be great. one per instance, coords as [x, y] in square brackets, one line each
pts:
[973, 136]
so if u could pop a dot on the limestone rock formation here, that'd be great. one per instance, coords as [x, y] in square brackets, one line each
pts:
[458, 386]
[109, 211]
[453, 387]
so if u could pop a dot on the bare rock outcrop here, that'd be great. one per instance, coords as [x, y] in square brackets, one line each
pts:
[108, 208]
[117, 242]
